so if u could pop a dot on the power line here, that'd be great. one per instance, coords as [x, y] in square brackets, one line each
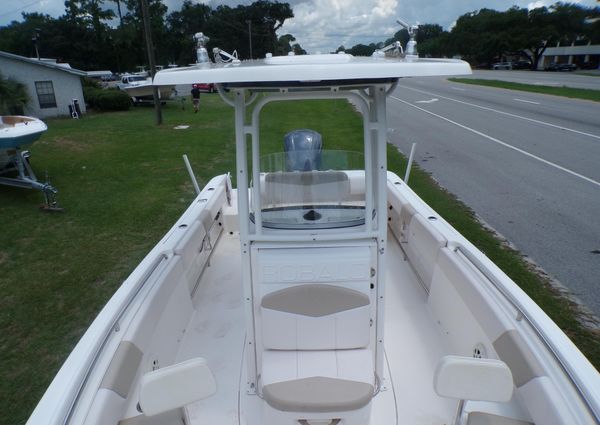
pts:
[21, 8]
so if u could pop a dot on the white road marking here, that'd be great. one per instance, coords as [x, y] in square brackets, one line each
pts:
[500, 142]
[427, 101]
[527, 101]
[458, 88]
[559, 127]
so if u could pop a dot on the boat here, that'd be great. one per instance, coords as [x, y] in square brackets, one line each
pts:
[17, 132]
[140, 89]
[321, 290]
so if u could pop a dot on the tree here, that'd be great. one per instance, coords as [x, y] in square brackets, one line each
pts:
[181, 26]
[487, 35]
[83, 37]
[133, 33]
[228, 27]
[363, 49]
[119, 12]
[284, 46]
[483, 36]
[298, 50]
[17, 37]
[13, 96]
[431, 39]
[88, 13]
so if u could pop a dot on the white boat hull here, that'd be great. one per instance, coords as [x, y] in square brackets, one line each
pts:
[146, 90]
[17, 131]
[320, 296]
[176, 306]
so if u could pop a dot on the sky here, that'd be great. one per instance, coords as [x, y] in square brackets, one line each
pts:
[320, 26]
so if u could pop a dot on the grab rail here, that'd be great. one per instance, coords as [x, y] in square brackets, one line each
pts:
[537, 327]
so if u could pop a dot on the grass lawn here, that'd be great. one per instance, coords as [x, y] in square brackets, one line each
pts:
[585, 94]
[123, 183]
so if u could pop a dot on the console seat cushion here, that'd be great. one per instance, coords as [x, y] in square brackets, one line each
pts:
[481, 418]
[315, 317]
[318, 394]
[317, 381]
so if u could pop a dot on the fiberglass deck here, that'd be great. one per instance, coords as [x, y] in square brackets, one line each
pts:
[413, 347]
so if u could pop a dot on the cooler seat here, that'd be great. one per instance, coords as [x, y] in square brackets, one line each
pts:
[318, 385]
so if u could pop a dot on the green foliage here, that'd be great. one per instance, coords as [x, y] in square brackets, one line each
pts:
[363, 49]
[13, 96]
[106, 99]
[83, 37]
[113, 100]
[229, 27]
[284, 46]
[485, 36]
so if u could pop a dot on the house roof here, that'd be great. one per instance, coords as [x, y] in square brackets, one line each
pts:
[65, 67]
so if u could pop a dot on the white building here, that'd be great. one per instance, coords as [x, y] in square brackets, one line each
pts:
[583, 56]
[52, 86]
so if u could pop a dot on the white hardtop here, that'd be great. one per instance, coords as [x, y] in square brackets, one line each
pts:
[311, 69]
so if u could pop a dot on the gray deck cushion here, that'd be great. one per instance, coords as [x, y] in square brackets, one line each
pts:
[513, 351]
[123, 368]
[483, 418]
[424, 244]
[314, 300]
[318, 394]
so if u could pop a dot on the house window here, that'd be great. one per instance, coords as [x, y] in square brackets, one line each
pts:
[45, 93]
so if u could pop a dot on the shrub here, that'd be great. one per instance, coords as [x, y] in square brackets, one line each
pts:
[106, 100]
[90, 94]
[13, 96]
[113, 100]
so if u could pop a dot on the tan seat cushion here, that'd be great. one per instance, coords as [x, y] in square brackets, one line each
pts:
[318, 394]
[482, 418]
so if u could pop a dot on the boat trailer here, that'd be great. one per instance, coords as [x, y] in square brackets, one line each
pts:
[16, 160]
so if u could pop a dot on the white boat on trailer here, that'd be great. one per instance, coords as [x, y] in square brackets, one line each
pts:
[140, 89]
[16, 133]
[318, 292]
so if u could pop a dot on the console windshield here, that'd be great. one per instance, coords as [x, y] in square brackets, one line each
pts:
[301, 191]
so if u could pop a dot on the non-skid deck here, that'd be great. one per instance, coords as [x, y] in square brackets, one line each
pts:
[413, 347]
[217, 331]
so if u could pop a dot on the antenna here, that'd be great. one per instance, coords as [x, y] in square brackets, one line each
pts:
[35, 38]
[201, 53]
[411, 46]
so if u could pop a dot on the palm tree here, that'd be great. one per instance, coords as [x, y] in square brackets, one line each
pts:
[13, 96]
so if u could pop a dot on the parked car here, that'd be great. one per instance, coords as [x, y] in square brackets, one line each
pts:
[521, 65]
[561, 67]
[206, 87]
[589, 65]
[502, 65]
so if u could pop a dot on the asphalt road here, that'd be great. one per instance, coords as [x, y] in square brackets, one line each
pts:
[543, 78]
[528, 164]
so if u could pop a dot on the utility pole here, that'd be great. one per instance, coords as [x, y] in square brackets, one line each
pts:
[249, 22]
[151, 60]
[35, 39]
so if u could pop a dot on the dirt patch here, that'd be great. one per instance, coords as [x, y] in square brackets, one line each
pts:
[3, 257]
[69, 144]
